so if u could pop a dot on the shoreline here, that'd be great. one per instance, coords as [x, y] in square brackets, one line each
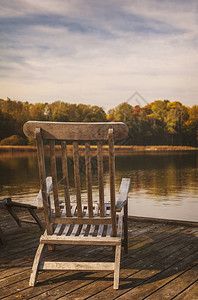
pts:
[118, 149]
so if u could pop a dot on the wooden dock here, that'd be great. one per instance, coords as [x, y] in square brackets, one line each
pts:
[162, 263]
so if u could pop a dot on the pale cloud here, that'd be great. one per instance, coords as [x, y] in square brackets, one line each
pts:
[98, 52]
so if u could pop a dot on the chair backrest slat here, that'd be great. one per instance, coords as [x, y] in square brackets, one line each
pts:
[54, 177]
[42, 175]
[65, 178]
[88, 178]
[77, 178]
[100, 177]
[112, 180]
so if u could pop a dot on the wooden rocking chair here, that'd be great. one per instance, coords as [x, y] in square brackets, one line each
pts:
[81, 223]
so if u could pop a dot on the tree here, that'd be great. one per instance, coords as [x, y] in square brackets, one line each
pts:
[191, 126]
[13, 140]
[37, 112]
[122, 113]
[159, 122]
[159, 109]
[175, 119]
[95, 114]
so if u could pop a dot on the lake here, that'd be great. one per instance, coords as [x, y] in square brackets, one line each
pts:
[163, 184]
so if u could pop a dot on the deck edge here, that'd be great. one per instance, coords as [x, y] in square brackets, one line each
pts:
[163, 221]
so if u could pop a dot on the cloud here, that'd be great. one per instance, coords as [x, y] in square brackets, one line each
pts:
[98, 52]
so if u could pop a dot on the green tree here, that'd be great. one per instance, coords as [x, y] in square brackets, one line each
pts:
[191, 126]
[175, 119]
[95, 114]
[159, 109]
[59, 111]
[13, 140]
[121, 113]
[37, 112]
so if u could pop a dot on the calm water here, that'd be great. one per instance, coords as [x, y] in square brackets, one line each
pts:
[163, 185]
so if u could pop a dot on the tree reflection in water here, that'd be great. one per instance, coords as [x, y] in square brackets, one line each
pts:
[163, 184]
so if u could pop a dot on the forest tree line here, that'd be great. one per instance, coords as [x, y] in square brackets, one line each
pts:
[160, 122]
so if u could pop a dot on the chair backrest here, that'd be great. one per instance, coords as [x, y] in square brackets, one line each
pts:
[76, 133]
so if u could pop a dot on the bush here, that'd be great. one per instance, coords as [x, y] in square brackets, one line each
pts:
[13, 140]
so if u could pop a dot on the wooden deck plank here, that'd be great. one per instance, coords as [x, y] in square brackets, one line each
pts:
[86, 284]
[13, 252]
[160, 279]
[137, 273]
[137, 285]
[25, 263]
[19, 269]
[190, 293]
[180, 283]
[44, 287]
[22, 283]
[46, 284]
[162, 260]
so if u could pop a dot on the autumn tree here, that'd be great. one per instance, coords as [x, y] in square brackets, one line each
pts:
[159, 122]
[175, 119]
[38, 111]
[191, 126]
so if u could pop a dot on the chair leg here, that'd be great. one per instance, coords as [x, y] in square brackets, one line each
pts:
[36, 218]
[117, 267]
[126, 228]
[14, 215]
[35, 266]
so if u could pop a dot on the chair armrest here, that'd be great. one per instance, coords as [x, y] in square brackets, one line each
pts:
[19, 204]
[5, 201]
[9, 202]
[49, 188]
[123, 194]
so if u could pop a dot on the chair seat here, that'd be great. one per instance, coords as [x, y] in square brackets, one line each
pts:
[80, 240]
[82, 233]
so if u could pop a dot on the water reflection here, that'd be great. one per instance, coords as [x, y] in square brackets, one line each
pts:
[163, 185]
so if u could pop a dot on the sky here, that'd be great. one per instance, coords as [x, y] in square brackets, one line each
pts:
[99, 52]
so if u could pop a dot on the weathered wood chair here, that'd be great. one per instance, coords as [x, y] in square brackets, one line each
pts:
[9, 205]
[81, 223]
